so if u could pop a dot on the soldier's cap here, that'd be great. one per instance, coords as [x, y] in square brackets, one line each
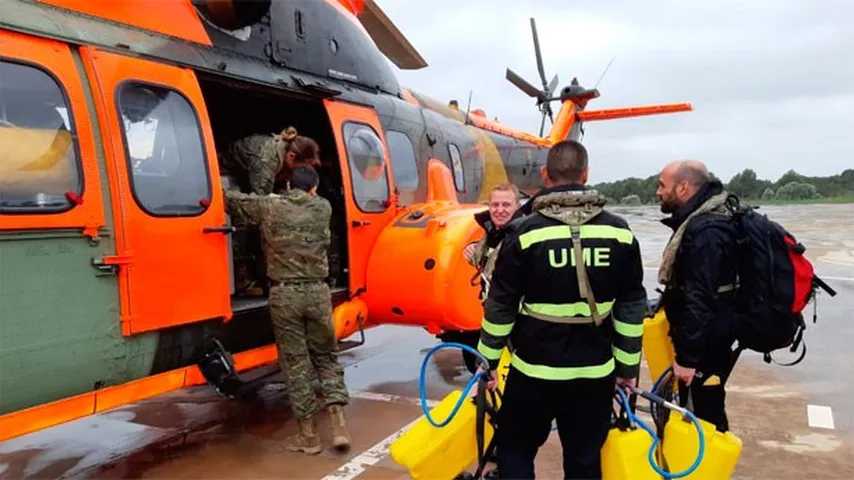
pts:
[304, 178]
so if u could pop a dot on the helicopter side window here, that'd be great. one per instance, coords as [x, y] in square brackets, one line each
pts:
[367, 167]
[39, 158]
[457, 164]
[164, 150]
[403, 162]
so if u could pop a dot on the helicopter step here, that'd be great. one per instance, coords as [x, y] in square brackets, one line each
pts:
[241, 304]
[344, 345]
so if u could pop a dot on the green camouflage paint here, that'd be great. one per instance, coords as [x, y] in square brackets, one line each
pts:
[59, 330]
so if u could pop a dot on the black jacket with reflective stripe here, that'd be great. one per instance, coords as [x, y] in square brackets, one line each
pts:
[536, 270]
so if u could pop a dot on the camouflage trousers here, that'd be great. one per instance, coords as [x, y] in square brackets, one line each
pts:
[302, 323]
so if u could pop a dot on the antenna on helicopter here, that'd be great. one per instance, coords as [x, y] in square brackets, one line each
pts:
[601, 77]
[468, 109]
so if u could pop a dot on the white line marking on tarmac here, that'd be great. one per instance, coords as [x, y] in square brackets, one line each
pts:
[387, 397]
[369, 457]
[820, 416]
[373, 455]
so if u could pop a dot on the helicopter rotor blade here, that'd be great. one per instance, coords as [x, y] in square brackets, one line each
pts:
[540, 67]
[552, 86]
[523, 85]
[543, 123]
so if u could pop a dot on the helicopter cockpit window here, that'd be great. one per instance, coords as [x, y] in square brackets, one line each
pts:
[166, 157]
[39, 163]
[402, 161]
[457, 164]
[367, 167]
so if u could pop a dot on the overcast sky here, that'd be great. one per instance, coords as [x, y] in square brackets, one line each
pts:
[772, 82]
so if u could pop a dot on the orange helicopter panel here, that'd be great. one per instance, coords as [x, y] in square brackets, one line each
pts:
[86, 212]
[183, 22]
[166, 276]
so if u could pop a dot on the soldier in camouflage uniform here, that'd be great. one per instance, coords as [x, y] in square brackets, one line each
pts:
[260, 163]
[254, 160]
[295, 235]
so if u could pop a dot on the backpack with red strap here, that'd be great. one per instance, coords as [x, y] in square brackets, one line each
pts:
[776, 281]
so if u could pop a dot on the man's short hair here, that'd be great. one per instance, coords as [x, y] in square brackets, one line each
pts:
[567, 161]
[506, 187]
[304, 178]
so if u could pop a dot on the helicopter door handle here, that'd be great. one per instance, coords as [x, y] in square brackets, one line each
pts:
[109, 264]
[103, 268]
[225, 229]
[359, 223]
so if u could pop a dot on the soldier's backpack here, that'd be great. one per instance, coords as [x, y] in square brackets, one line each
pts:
[775, 284]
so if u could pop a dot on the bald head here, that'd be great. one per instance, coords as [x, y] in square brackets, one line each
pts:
[692, 171]
[679, 181]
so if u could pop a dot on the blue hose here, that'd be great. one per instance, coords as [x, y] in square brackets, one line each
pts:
[624, 401]
[422, 381]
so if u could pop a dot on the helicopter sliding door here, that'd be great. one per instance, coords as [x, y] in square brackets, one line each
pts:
[368, 189]
[171, 250]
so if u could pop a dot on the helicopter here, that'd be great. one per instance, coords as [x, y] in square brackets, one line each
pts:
[116, 258]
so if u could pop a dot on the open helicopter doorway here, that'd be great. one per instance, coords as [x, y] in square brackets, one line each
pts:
[240, 109]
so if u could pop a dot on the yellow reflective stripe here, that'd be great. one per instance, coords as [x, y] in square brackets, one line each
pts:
[546, 372]
[542, 234]
[557, 232]
[630, 359]
[628, 329]
[567, 309]
[488, 352]
[496, 329]
[622, 235]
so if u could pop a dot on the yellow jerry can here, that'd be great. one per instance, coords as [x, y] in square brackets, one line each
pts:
[624, 455]
[680, 449]
[440, 453]
[657, 347]
[434, 453]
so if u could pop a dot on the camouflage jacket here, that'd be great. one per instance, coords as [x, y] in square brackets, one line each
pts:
[257, 155]
[294, 231]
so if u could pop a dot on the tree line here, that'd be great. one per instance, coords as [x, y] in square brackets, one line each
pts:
[746, 184]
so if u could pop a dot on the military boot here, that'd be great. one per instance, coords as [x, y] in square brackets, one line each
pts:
[307, 440]
[340, 435]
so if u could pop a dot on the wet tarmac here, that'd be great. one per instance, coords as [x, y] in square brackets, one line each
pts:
[196, 434]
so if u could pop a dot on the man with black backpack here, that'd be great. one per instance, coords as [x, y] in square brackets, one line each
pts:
[732, 277]
[699, 272]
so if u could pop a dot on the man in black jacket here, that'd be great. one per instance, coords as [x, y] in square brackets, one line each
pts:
[567, 292]
[503, 207]
[699, 273]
